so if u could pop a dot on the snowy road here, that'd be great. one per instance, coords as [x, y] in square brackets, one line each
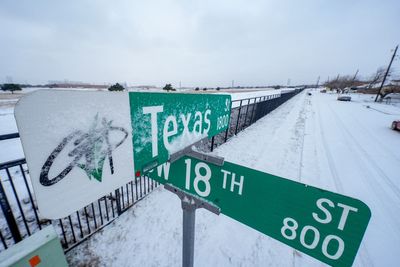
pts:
[363, 159]
[344, 147]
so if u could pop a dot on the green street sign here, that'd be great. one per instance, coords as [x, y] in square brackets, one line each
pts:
[322, 224]
[163, 124]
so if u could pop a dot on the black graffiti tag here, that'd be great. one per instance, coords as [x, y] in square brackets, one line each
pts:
[90, 149]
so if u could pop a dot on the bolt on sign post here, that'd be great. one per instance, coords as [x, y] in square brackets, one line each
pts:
[322, 224]
[81, 145]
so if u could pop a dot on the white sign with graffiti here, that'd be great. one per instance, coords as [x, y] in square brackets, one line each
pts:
[78, 147]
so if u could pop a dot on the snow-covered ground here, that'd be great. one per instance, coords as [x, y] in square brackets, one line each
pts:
[9, 149]
[345, 147]
[251, 94]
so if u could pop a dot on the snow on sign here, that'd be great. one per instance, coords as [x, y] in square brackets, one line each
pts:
[80, 146]
[322, 224]
[166, 123]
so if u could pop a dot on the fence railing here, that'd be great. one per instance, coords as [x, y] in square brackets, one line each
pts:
[249, 110]
[21, 217]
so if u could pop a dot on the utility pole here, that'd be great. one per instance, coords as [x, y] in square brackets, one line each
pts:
[354, 78]
[355, 75]
[316, 87]
[233, 83]
[386, 73]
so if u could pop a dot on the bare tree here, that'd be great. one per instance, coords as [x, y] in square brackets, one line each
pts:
[377, 77]
[341, 83]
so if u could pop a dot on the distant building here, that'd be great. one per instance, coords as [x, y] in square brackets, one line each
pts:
[71, 84]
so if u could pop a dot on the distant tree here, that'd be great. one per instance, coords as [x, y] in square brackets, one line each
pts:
[376, 77]
[197, 89]
[342, 84]
[116, 87]
[168, 87]
[10, 87]
[204, 89]
[218, 88]
[390, 89]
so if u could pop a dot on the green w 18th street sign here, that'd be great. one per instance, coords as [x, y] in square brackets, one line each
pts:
[163, 124]
[322, 224]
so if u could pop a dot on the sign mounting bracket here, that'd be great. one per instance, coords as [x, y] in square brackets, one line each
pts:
[188, 151]
[192, 200]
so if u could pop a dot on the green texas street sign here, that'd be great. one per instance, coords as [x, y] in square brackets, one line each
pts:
[163, 124]
[322, 224]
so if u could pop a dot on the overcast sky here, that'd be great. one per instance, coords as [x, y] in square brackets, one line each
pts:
[200, 43]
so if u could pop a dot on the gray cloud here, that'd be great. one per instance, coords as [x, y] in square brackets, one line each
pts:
[201, 43]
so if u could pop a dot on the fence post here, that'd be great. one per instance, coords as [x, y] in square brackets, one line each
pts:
[252, 111]
[12, 224]
[226, 134]
[247, 111]
[118, 201]
[237, 122]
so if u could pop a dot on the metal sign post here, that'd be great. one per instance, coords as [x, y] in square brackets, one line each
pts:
[188, 224]
[190, 203]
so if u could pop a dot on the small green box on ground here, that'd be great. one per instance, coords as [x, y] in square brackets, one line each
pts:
[40, 249]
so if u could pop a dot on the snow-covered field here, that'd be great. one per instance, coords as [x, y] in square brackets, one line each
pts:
[9, 149]
[12, 149]
[345, 147]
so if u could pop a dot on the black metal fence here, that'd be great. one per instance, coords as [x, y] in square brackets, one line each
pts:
[21, 217]
[249, 110]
